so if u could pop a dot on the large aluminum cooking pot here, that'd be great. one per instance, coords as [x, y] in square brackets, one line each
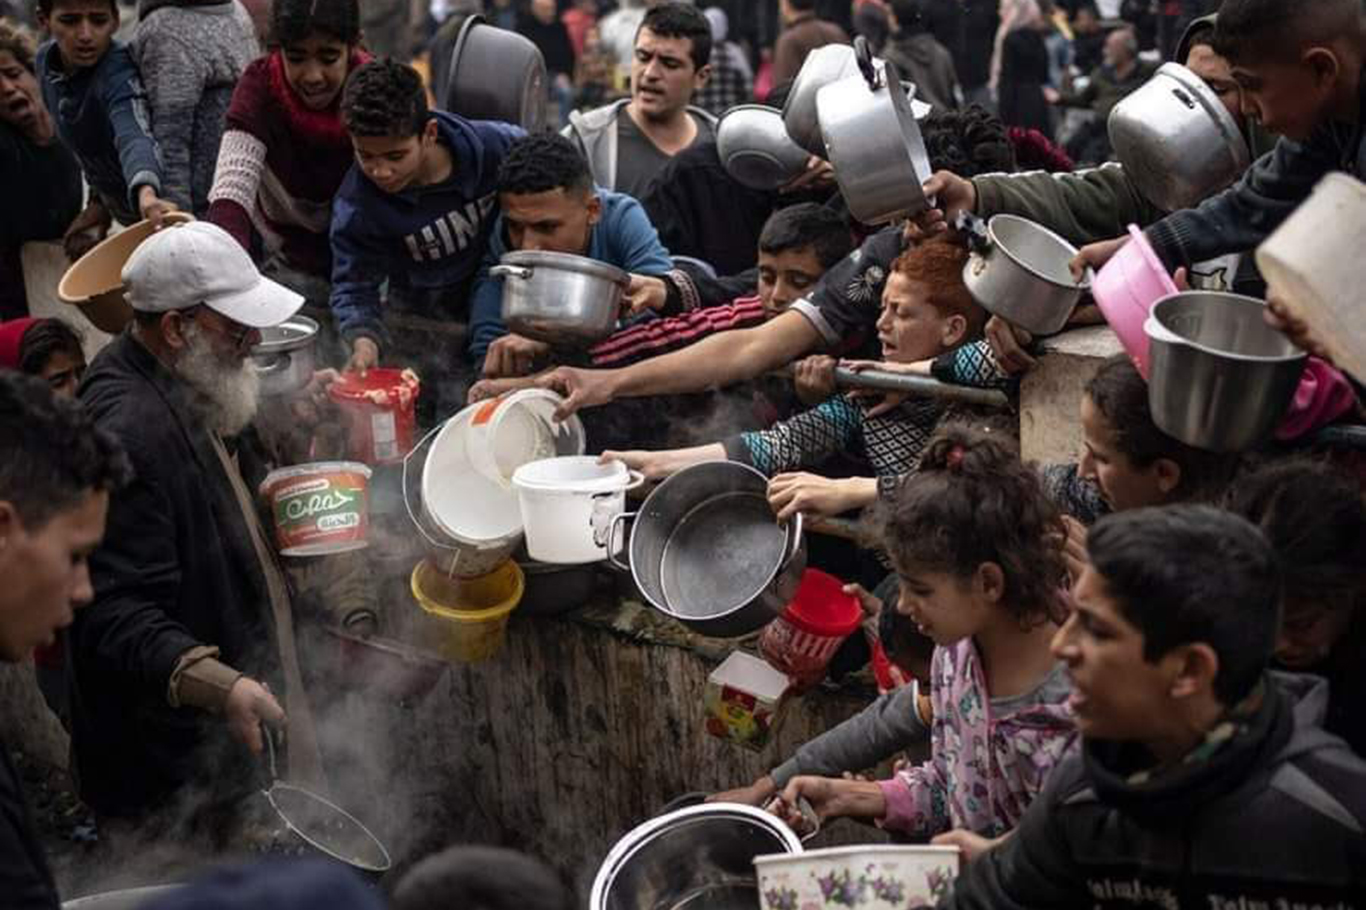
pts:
[560, 298]
[1219, 378]
[706, 550]
[1177, 141]
[697, 858]
[496, 74]
[824, 66]
[284, 359]
[1019, 271]
[755, 149]
[874, 143]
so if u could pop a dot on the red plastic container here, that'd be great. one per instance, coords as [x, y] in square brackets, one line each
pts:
[820, 617]
[380, 416]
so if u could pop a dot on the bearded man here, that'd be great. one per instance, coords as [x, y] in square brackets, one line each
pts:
[169, 662]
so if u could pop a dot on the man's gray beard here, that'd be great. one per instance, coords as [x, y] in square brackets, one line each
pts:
[226, 395]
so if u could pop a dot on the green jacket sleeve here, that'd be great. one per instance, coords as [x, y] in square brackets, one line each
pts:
[1083, 207]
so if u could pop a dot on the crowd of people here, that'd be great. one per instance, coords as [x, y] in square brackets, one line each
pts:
[1121, 665]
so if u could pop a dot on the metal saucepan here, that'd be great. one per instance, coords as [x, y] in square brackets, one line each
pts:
[1177, 141]
[823, 66]
[755, 148]
[285, 358]
[1219, 377]
[495, 74]
[706, 550]
[1019, 271]
[321, 825]
[696, 858]
[560, 298]
[874, 143]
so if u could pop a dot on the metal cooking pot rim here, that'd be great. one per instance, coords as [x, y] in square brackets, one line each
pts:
[1192, 83]
[296, 332]
[1181, 338]
[568, 262]
[350, 861]
[996, 244]
[638, 837]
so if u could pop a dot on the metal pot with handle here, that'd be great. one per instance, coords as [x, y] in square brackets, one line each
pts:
[560, 298]
[873, 142]
[1020, 271]
[706, 550]
[285, 357]
[495, 74]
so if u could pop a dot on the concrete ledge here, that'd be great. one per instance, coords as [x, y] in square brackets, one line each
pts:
[1050, 394]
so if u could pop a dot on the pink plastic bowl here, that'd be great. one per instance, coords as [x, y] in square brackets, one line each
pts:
[1126, 289]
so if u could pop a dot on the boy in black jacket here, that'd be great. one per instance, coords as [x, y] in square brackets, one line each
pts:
[1204, 782]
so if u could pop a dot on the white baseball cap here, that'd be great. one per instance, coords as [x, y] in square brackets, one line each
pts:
[185, 265]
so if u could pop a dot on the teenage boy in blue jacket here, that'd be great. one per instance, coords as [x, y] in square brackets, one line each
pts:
[415, 210]
[92, 88]
[549, 203]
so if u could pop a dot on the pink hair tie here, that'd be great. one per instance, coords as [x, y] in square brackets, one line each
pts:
[954, 460]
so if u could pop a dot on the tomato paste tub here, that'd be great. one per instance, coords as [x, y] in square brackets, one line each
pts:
[806, 636]
[319, 508]
[380, 411]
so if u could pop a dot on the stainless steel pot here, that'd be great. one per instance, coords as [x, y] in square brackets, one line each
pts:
[698, 858]
[1219, 377]
[1177, 141]
[496, 74]
[285, 358]
[874, 143]
[1019, 271]
[824, 66]
[755, 148]
[560, 298]
[706, 550]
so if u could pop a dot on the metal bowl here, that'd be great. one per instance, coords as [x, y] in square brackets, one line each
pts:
[496, 74]
[698, 857]
[1177, 141]
[1220, 378]
[755, 148]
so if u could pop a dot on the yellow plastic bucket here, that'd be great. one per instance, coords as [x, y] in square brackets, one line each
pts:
[470, 614]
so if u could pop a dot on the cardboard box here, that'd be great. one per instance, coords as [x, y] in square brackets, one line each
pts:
[744, 700]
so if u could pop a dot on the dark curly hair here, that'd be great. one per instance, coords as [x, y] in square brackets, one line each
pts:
[52, 455]
[384, 98]
[681, 20]
[972, 501]
[45, 338]
[807, 225]
[541, 163]
[292, 21]
[968, 142]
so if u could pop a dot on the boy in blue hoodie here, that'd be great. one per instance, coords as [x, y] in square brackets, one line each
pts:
[92, 87]
[415, 210]
[549, 203]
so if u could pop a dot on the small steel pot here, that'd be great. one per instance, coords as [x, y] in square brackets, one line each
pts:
[874, 143]
[1220, 378]
[1176, 139]
[824, 66]
[496, 74]
[1019, 271]
[560, 298]
[706, 550]
[755, 148]
[285, 357]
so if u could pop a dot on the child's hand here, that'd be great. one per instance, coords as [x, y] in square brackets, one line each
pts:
[872, 607]
[814, 378]
[1008, 343]
[364, 355]
[153, 207]
[811, 494]
[653, 465]
[952, 194]
[756, 794]
[513, 355]
[645, 292]
[1095, 255]
[971, 844]
[86, 230]
[1279, 317]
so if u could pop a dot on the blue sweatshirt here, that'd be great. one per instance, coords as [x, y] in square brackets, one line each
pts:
[623, 237]
[428, 238]
[101, 115]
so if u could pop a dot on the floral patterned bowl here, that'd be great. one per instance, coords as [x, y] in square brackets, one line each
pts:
[873, 876]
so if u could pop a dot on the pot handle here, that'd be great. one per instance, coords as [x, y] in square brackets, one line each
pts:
[618, 519]
[863, 56]
[795, 540]
[278, 364]
[510, 271]
[975, 230]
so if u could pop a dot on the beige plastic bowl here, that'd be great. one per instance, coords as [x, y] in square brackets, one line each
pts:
[94, 283]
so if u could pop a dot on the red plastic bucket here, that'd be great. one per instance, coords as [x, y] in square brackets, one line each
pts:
[379, 410]
[806, 636]
[319, 508]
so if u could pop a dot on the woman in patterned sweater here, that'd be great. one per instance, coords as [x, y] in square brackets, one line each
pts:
[926, 312]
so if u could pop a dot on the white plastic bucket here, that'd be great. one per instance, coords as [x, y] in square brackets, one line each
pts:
[567, 505]
[511, 430]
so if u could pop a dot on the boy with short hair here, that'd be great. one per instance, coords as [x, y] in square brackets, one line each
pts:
[1189, 745]
[92, 87]
[415, 210]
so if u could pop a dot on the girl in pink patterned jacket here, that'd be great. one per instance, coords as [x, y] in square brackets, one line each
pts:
[977, 545]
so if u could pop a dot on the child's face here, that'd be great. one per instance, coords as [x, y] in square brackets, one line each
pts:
[393, 163]
[316, 69]
[945, 608]
[910, 328]
[21, 102]
[82, 29]
[63, 372]
[1289, 98]
[786, 277]
[1123, 485]
[1310, 631]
